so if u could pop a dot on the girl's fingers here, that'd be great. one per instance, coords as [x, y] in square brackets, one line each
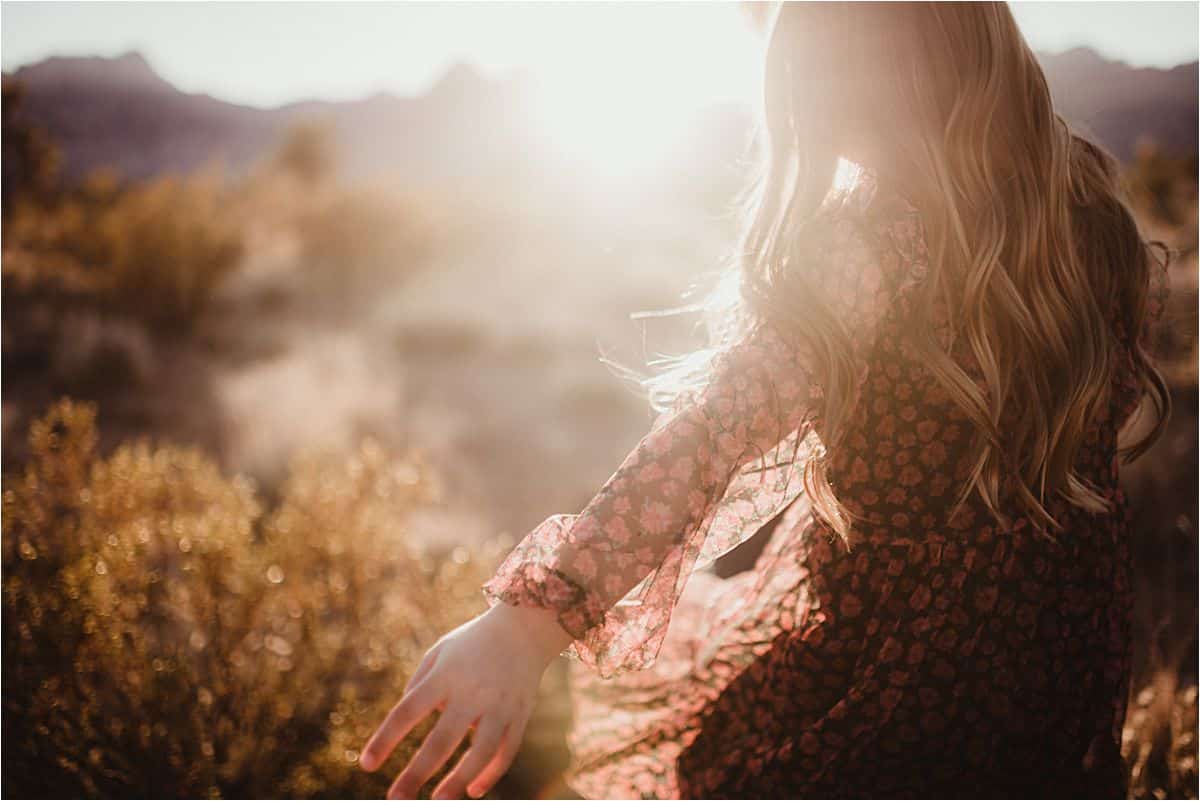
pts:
[510, 743]
[439, 745]
[411, 710]
[484, 744]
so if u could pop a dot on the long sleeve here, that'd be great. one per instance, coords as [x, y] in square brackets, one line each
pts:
[614, 571]
[704, 479]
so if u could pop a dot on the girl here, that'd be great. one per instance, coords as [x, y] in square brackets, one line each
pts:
[921, 385]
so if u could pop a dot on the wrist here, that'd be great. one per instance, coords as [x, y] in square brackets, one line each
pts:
[536, 627]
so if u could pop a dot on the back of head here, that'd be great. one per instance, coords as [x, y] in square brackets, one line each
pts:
[1034, 251]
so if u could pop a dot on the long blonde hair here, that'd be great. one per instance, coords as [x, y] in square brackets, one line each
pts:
[1028, 231]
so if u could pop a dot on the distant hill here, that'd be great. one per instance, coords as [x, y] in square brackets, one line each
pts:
[1119, 104]
[119, 112]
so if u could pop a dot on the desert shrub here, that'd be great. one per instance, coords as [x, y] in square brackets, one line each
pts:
[307, 152]
[154, 252]
[105, 286]
[1160, 739]
[353, 243]
[166, 636]
[330, 248]
[1164, 185]
[361, 231]
[355, 247]
[31, 161]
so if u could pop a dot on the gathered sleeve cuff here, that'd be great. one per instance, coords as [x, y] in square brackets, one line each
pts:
[531, 577]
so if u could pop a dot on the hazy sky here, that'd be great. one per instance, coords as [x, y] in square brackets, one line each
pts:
[270, 53]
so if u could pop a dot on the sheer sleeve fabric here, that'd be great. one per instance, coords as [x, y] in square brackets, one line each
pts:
[703, 480]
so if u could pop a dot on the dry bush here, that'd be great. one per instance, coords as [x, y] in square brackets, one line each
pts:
[154, 252]
[105, 286]
[1160, 738]
[31, 161]
[138, 295]
[1163, 186]
[164, 636]
[307, 152]
[356, 248]
[351, 244]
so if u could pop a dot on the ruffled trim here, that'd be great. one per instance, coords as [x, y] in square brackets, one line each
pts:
[529, 578]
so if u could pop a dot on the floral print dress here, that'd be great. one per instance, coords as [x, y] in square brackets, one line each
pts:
[941, 655]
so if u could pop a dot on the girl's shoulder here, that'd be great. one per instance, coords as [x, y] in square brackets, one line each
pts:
[870, 222]
[861, 193]
[888, 212]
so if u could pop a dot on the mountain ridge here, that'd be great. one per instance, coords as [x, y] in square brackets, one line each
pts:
[119, 111]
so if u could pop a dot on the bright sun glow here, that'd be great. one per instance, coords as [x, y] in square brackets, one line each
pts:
[624, 99]
[846, 175]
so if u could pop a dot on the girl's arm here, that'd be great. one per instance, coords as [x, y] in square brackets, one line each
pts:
[714, 472]
[605, 580]
[647, 524]
[612, 573]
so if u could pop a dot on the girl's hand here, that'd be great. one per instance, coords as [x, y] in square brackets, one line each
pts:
[484, 675]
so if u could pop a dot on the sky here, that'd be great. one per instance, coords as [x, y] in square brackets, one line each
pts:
[268, 53]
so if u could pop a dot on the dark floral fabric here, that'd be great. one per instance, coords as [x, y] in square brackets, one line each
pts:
[943, 654]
